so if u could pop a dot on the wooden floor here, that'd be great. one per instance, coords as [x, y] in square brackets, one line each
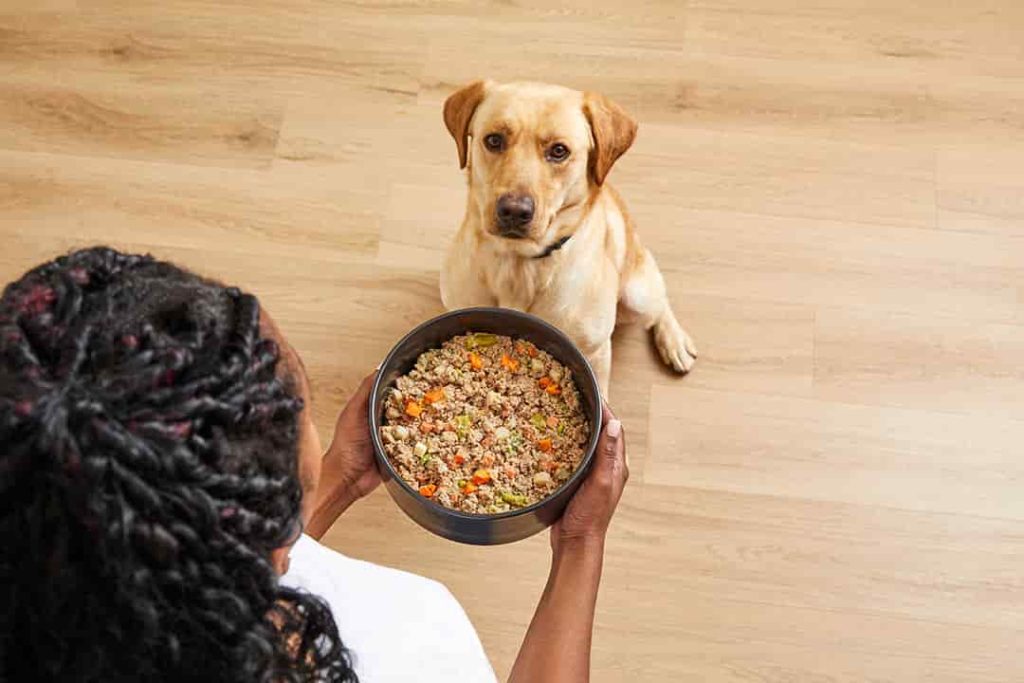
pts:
[834, 190]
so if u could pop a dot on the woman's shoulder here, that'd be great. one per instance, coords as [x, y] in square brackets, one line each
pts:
[310, 560]
[391, 619]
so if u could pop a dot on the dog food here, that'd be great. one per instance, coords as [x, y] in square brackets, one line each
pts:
[485, 424]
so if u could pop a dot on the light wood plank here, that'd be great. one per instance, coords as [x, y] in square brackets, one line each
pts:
[934, 363]
[781, 445]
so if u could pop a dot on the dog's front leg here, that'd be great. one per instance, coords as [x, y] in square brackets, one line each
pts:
[461, 284]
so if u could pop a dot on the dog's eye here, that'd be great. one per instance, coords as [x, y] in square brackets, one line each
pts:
[495, 142]
[557, 152]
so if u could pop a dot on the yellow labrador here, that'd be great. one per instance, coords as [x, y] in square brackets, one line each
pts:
[543, 231]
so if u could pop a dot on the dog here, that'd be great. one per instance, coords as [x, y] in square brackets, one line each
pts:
[543, 231]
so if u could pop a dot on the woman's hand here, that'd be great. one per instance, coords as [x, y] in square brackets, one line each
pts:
[351, 451]
[590, 511]
[557, 644]
[349, 469]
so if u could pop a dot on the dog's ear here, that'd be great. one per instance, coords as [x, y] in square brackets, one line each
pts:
[614, 131]
[458, 112]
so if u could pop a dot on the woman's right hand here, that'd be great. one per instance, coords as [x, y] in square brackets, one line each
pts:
[590, 511]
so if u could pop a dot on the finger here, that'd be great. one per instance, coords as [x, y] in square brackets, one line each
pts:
[357, 402]
[606, 413]
[363, 390]
[622, 456]
[362, 393]
[608, 446]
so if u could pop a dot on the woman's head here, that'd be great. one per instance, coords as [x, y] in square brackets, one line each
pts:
[149, 442]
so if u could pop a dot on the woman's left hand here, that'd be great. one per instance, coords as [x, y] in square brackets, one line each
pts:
[349, 469]
[351, 450]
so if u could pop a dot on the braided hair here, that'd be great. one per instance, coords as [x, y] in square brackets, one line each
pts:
[148, 468]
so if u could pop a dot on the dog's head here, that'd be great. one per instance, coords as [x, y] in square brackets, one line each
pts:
[536, 154]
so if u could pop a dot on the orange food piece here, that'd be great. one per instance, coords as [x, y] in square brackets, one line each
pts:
[553, 389]
[426, 427]
[509, 363]
[487, 460]
[549, 466]
[481, 477]
[435, 396]
[544, 382]
[552, 421]
[413, 408]
[428, 491]
[526, 349]
[510, 472]
[459, 459]
[468, 488]
[475, 361]
[545, 445]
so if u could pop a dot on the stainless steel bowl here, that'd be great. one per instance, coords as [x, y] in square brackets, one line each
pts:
[464, 527]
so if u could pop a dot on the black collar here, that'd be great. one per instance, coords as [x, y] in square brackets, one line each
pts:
[553, 247]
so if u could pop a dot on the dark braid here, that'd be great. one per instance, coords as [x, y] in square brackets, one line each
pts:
[148, 467]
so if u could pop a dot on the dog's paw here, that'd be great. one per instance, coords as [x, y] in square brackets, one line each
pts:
[675, 346]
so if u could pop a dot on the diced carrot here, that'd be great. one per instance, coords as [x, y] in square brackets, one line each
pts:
[475, 361]
[509, 363]
[553, 421]
[428, 491]
[545, 445]
[435, 396]
[544, 382]
[526, 349]
[459, 459]
[468, 488]
[481, 477]
[553, 389]
[413, 408]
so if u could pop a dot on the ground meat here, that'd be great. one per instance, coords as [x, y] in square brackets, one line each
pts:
[485, 424]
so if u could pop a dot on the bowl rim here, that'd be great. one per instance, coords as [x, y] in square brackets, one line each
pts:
[580, 471]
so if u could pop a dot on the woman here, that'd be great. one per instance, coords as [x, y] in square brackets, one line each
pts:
[157, 469]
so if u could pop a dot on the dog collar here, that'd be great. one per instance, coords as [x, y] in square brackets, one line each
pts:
[553, 247]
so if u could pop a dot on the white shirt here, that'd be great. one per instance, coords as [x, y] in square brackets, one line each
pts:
[397, 626]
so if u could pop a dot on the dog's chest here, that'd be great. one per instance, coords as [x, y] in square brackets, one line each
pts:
[560, 295]
[517, 283]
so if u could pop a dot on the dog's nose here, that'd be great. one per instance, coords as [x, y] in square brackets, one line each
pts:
[514, 211]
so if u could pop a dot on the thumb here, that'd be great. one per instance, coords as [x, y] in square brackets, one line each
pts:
[361, 396]
[362, 392]
[353, 414]
[609, 447]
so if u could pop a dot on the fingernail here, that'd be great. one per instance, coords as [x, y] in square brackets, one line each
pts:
[614, 429]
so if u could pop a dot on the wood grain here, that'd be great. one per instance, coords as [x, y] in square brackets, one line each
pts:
[833, 193]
